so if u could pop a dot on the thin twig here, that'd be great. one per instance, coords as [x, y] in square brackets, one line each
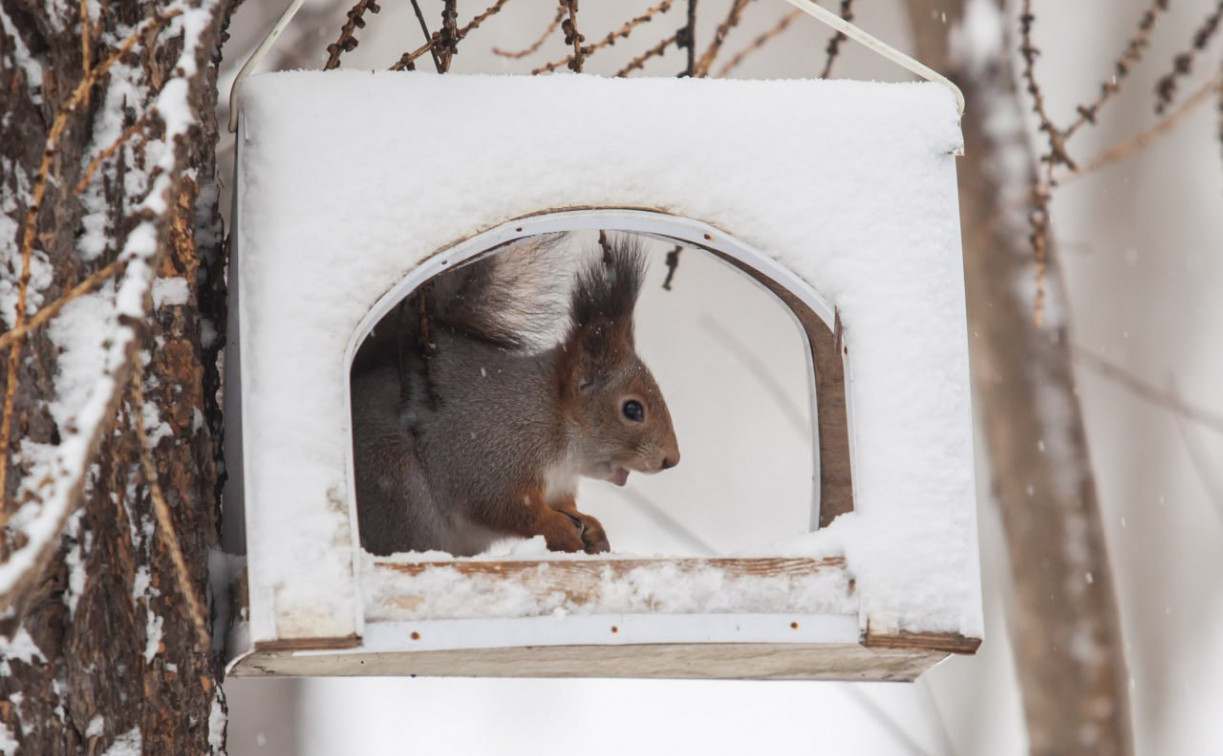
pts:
[93, 281]
[1038, 215]
[689, 40]
[1121, 69]
[759, 42]
[49, 152]
[834, 44]
[1160, 398]
[448, 38]
[165, 524]
[534, 46]
[347, 41]
[86, 41]
[1118, 152]
[1202, 465]
[653, 52]
[1182, 64]
[127, 134]
[719, 37]
[795, 416]
[622, 33]
[424, 27]
[572, 36]
[672, 263]
[1136, 143]
[406, 60]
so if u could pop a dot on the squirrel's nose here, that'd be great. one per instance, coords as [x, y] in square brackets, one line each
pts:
[669, 462]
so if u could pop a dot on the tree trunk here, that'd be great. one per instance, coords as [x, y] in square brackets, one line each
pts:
[99, 644]
[1066, 629]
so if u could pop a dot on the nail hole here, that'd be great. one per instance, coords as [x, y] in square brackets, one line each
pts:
[615, 629]
[793, 625]
[415, 635]
[708, 237]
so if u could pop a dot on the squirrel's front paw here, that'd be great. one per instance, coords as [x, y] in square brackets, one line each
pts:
[594, 538]
[589, 531]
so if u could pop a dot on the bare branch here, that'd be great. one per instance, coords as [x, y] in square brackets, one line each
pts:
[406, 60]
[653, 52]
[446, 41]
[759, 42]
[572, 36]
[1202, 465]
[93, 281]
[114, 146]
[834, 44]
[719, 37]
[1135, 144]
[534, 46]
[622, 33]
[1160, 398]
[347, 41]
[165, 524]
[49, 153]
[1125, 63]
[1182, 64]
[688, 40]
[672, 263]
[424, 27]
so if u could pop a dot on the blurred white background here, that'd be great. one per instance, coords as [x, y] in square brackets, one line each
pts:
[1140, 245]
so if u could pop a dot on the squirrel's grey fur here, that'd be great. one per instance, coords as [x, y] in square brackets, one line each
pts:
[459, 413]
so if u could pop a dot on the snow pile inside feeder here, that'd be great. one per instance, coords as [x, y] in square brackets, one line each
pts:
[649, 586]
[349, 180]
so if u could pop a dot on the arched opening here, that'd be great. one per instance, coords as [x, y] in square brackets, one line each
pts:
[740, 340]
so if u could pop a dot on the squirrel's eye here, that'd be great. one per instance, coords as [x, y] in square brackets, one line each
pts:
[633, 410]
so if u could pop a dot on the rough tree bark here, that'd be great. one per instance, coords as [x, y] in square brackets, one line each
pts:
[1066, 627]
[97, 644]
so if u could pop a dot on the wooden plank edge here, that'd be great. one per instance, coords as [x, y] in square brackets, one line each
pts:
[308, 644]
[736, 661]
[952, 643]
[751, 566]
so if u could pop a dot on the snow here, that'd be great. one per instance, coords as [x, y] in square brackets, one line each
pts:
[20, 56]
[8, 743]
[170, 291]
[74, 560]
[216, 723]
[129, 743]
[850, 185]
[85, 388]
[442, 592]
[20, 647]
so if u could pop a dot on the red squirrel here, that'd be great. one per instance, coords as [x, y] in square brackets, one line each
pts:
[464, 432]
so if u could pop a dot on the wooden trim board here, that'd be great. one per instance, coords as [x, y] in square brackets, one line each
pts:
[739, 661]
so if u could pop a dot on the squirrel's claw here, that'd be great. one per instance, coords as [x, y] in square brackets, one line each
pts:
[594, 538]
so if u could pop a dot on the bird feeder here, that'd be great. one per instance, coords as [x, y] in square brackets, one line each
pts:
[354, 188]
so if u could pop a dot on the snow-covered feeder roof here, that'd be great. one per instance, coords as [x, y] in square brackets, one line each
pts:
[353, 188]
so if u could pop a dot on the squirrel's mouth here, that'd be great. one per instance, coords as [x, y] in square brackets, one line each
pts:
[619, 475]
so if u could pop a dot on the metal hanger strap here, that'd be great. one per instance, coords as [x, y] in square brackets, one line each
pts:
[810, 7]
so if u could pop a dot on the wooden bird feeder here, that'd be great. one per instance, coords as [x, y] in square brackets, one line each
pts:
[353, 189]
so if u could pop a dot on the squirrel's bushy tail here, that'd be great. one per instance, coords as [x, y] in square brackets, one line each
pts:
[513, 297]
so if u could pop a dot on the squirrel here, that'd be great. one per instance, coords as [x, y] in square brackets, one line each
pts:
[464, 431]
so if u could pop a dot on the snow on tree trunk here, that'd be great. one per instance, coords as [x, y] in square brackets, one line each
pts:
[1066, 626]
[109, 224]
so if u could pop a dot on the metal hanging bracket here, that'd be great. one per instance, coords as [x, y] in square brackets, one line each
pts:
[810, 7]
[827, 17]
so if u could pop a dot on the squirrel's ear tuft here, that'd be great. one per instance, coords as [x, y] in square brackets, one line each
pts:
[607, 288]
[601, 315]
